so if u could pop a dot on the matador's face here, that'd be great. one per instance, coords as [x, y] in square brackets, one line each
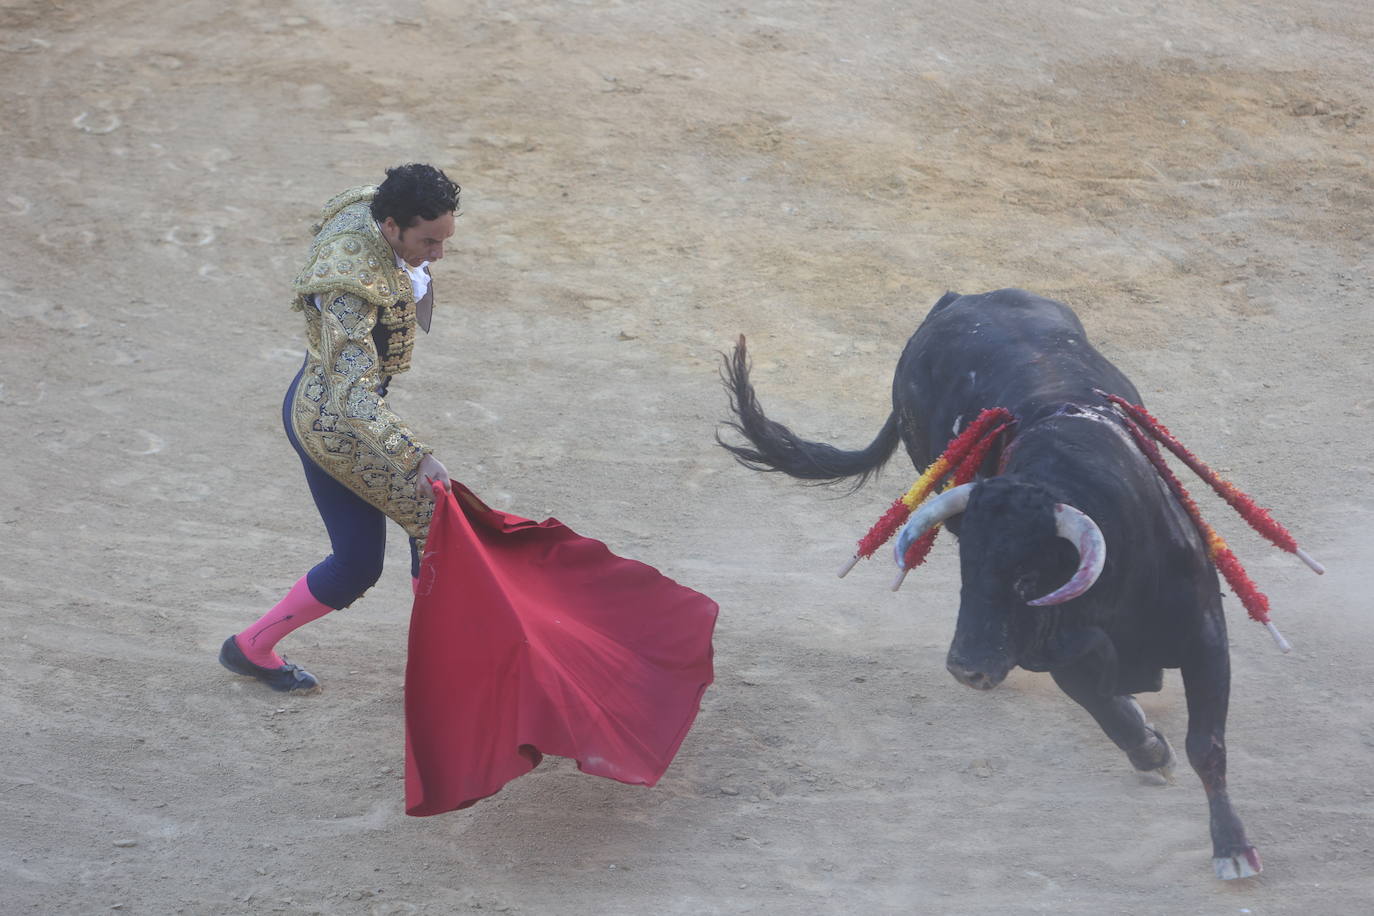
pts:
[423, 241]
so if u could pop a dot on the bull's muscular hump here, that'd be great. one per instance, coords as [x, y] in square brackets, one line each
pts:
[1156, 603]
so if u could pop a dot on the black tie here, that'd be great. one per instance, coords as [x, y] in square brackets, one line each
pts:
[424, 309]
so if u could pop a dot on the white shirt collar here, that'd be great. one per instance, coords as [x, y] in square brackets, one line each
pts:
[419, 279]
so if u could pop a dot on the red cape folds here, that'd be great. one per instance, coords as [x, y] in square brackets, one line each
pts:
[527, 639]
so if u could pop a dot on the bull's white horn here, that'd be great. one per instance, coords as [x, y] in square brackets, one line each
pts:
[931, 513]
[1082, 532]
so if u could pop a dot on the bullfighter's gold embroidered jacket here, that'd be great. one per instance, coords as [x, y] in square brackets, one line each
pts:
[361, 335]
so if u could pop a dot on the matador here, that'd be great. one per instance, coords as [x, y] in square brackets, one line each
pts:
[363, 291]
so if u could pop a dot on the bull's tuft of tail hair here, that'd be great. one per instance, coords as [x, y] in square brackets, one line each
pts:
[773, 447]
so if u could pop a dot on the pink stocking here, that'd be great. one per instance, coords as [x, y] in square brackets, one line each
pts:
[298, 608]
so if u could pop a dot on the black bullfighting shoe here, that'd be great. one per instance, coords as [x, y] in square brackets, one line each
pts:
[288, 678]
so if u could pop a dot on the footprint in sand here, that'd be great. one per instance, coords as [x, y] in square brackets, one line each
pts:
[140, 309]
[18, 305]
[58, 317]
[214, 157]
[192, 237]
[16, 397]
[283, 355]
[488, 415]
[164, 61]
[67, 238]
[24, 45]
[164, 484]
[154, 444]
[117, 357]
[104, 122]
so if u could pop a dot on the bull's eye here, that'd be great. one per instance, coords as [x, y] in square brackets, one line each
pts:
[1027, 586]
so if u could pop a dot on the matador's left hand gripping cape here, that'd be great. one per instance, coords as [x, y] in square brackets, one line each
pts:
[360, 336]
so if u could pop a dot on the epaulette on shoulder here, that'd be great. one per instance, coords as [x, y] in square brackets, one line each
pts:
[351, 255]
[365, 193]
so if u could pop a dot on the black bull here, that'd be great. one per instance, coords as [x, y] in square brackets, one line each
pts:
[1157, 602]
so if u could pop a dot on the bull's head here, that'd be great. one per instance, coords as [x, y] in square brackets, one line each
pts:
[1016, 544]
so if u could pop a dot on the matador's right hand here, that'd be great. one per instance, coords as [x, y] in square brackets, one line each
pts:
[432, 471]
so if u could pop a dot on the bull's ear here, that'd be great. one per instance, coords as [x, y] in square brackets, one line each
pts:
[1082, 532]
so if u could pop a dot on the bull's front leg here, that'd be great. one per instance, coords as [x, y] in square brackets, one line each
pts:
[1207, 683]
[1084, 665]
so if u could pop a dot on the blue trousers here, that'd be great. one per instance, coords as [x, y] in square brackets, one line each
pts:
[357, 530]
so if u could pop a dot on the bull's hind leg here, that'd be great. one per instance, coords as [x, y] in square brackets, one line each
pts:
[1207, 683]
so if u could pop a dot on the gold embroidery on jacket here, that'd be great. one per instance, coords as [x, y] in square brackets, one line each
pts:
[350, 254]
[341, 421]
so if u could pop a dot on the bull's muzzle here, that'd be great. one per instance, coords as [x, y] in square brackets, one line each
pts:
[979, 677]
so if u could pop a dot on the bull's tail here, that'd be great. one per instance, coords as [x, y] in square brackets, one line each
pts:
[777, 448]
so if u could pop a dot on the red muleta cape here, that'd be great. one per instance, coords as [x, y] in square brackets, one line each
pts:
[527, 639]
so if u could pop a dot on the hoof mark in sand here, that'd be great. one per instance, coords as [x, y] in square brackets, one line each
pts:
[192, 492]
[202, 236]
[155, 444]
[19, 206]
[123, 358]
[212, 158]
[42, 392]
[490, 415]
[25, 46]
[140, 309]
[63, 238]
[111, 123]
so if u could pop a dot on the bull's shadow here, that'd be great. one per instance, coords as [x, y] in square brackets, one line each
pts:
[1075, 557]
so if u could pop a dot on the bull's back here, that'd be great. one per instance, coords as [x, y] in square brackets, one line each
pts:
[1006, 348]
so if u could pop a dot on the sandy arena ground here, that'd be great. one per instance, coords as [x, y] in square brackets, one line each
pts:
[642, 182]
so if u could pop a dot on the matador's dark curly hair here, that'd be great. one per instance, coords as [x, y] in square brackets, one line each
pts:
[413, 192]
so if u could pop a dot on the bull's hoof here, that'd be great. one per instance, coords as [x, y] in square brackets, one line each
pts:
[1155, 757]
[1244, 864]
